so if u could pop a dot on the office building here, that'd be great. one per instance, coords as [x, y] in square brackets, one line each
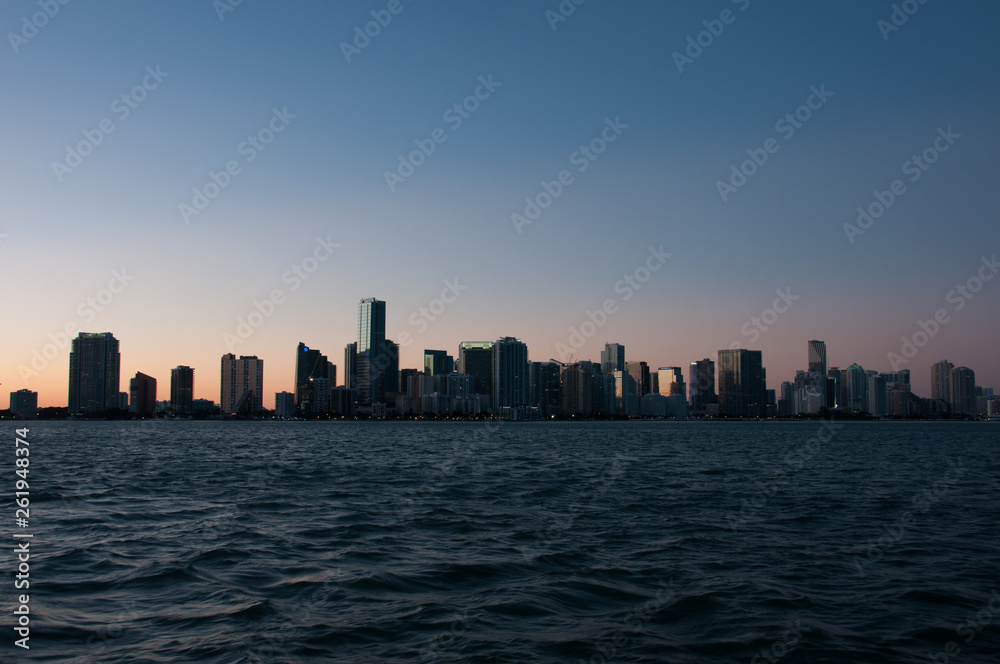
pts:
[510, 374]
[640, 372]
[963, 391]
[438, 362]
[741, 384]
[476, 359]
[310, 366]
[613, 358]
[701, 385]
[182, 390]
[142, 395]
[817, 357]
[670, 380]
[371, 362]
[94, 365]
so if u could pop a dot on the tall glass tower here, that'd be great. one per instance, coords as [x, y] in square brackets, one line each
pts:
[371, 347]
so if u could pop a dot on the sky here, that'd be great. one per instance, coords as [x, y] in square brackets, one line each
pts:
[206, 177]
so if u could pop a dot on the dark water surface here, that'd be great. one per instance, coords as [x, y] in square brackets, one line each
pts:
[230, 542]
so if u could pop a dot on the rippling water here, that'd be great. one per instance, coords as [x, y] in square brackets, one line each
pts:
[230, 542]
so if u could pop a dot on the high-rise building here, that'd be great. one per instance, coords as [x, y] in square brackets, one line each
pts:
[626, 394]
[476, 359]
[438, 362]
[855, 388]
[640, 372]
[613, 358]
[94, 365]
[701, 386]
[284, 404]
[24, 404]
[242, 385]
[311, 365]
[941, 381]
[142, 395]
[817, 357]
[372, 363]
[671, 381]
[510, 374]
[876, 393]
[182, 390]
[546, 386]
[963, 391]
[350, 365]
[742, 386]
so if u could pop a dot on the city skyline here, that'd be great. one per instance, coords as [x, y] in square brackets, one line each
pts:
[197, 211]
[503, 375]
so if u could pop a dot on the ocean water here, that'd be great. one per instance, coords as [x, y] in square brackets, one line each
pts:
[226, 542]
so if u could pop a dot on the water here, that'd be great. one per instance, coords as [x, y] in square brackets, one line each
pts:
[229, 542]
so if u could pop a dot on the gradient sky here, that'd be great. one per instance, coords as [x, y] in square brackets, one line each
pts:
[323, 176]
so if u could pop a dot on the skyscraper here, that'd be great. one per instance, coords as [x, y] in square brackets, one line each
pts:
[182, 390]
[510, 374]
[701, 384]
[963, 391]
[242, 384]
[311, 365]
[350, 365]
[941, 380]
[476, 359]
[742, 391]
[438, 362]
[671, 381]
[142, 395]
[855, 388]
[613, 358]
[640, 372]
[817, 357]
[94, 365]
[371, 344]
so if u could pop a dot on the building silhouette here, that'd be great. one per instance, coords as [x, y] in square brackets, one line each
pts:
[94, 378]
[742, 391]
[182, 390]
[142, 395]
[242, 385]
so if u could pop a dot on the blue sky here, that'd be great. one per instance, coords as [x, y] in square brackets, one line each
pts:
[656, 184]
